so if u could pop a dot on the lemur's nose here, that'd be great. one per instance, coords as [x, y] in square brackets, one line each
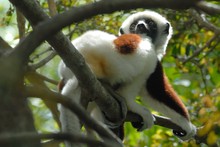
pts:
[141, 28]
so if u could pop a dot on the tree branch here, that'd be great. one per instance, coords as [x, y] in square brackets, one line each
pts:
[209, 8]
[86, 119]
[21, 24]
[65, 49]
[77, 14]
[41, 53]
[199, 50]
[43, 93]
[39, 80]
[212, 47]
[4, 47]
[52, 7]
[71, 57]
[43, 61]
[42, 78]
[165, 122]
[159, 120]
[30, 137]
[202, 21]
[4, 44]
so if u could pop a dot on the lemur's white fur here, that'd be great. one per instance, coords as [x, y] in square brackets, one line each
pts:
[175, 117]
[160, 45]
[130, 70]
[107, 63]
[69, 121]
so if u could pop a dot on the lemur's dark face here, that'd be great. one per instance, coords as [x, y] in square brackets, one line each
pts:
[146, 27]
[149, 25]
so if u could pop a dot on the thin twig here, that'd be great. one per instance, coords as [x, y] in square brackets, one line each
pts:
[43, 61]
[20, 24]
[43, 78]
[199, 50]
[212, 48]
[52, 7]
[41, 53]
[203, 75]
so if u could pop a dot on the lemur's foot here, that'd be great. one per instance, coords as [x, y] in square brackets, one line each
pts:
[147, 120]
[186, 135]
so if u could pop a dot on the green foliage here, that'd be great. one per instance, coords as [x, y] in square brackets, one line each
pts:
[43, 119]
[197, 81]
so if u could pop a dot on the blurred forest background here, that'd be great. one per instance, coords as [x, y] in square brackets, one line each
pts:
[192, 64]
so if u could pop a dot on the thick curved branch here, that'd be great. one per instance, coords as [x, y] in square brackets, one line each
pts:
[77, 14]
[30, 137]
[209, 8]
[68, 53]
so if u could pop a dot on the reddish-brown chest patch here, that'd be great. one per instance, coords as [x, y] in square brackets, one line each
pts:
[127, 43]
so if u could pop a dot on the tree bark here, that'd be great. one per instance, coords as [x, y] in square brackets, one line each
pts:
[15, 115]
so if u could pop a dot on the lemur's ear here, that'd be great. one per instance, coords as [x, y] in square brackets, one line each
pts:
[121, 32]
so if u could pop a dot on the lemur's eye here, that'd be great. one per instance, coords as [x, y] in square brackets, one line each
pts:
[166, 31]
[121, 31]
[132, 27]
